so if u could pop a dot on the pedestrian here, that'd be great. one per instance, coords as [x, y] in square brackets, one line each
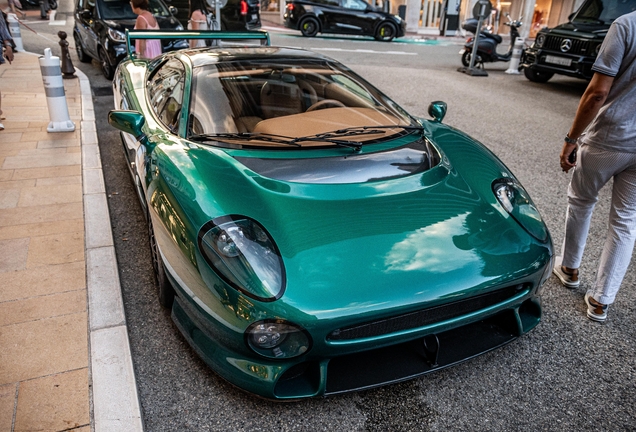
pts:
[44, 9]
[145, 48]
[7, 44]
[15, 5]
[607, 151]
[198, 21]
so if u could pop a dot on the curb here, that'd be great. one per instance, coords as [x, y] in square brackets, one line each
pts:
[115, 401]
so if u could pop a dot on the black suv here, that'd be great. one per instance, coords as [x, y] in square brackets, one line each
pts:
[342, 16]
[100, 27]
[571, 48]
[236, 15]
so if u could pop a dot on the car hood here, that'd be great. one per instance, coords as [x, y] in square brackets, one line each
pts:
[581, 30]
[350, 248]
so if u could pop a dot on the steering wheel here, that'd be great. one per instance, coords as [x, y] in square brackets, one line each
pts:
[326, 103]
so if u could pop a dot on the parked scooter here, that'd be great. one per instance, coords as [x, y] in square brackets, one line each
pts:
[488, 42]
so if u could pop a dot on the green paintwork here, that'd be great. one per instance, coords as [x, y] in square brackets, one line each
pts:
[353, 253]
[437, 110]
[127, 121]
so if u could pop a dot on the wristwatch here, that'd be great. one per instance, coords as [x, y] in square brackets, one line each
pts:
[569, 140]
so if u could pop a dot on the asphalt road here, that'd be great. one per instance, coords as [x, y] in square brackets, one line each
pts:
[569, 374]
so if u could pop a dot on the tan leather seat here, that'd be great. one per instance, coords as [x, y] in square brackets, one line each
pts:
[246, 123]
[309, 96]
[280, 98]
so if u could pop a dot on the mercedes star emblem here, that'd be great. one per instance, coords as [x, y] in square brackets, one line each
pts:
[566, 45]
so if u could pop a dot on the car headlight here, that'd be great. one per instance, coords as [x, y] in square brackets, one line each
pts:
[116, 35]
[539, 41]
[277, 339]
[244, 255]
[516, 201]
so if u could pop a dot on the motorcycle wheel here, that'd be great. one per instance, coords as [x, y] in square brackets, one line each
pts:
[466, 58]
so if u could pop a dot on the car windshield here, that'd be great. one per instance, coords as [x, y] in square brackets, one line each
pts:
[604, 11]
[290, 98]
[120, 9]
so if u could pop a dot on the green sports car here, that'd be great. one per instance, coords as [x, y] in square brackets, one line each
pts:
[309, 235]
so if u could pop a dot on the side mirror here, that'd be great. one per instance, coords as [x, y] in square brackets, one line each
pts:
[173, 10]
[571, 16]
[86, 14]
[437, 110]
[128, 121]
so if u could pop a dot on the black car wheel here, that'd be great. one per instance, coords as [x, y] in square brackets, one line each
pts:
[107, 69]
[309, 27]
[537, 76]
[385, 32]
[83, 57]
[165, 290]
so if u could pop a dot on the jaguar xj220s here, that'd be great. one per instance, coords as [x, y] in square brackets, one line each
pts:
[310, 236]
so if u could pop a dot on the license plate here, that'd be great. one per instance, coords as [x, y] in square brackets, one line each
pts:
[558, 60]
[254, 17]
[462, 51]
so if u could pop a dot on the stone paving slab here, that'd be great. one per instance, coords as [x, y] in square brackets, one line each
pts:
[58, 270]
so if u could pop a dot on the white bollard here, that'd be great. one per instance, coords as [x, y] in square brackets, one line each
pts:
[14, 29]
[55, 97]
[516, 55]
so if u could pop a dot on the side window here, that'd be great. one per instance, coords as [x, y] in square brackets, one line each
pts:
[165, 93]
[354, 4]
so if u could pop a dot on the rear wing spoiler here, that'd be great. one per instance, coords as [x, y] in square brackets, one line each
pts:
[246, 38]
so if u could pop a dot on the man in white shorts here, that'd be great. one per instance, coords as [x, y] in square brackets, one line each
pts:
[608, 151]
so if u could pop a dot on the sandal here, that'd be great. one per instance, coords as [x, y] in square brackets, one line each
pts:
[1, 127]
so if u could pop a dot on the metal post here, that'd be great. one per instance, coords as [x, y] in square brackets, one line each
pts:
[516, 56]
[481, 10]
[67, 64]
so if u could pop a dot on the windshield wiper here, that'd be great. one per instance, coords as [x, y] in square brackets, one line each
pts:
[362, 130]
[278, 139]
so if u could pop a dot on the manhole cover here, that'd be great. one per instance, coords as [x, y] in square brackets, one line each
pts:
[103, 91]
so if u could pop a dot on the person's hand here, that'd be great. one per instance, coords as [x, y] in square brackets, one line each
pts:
[8, 54]
[566, 151]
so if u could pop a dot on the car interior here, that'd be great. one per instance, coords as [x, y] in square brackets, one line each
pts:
[291, 102]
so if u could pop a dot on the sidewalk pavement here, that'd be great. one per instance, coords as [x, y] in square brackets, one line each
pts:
[64, 353]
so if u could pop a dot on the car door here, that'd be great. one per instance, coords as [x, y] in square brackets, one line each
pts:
[85, 18]
[329, 13]
[354, 17]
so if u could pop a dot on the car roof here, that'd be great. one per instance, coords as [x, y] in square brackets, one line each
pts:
[205, 56]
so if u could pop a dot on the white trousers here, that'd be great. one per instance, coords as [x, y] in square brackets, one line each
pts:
[594, 169]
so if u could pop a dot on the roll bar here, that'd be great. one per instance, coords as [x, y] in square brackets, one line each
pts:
[261, 36]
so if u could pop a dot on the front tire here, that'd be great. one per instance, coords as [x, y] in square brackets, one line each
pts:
[537, 76]
[165, 291]
[107, 70]
[309, 27]
[79, 49]
[466, 58]
[385, 32]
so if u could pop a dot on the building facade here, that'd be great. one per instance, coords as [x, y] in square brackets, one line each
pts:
[428, 15]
